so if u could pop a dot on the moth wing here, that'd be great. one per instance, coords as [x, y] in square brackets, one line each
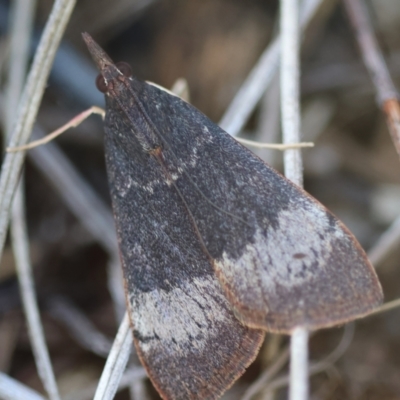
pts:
[184, 329]
[282, 258]
[189, 341]
[308, 270]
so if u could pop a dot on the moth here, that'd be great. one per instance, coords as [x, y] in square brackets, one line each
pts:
[216, 246]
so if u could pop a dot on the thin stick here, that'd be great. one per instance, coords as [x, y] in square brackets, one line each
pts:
[28, 295]
[29, 106]
[390, 305]
[290, 117]
[260, 78]
[78, 326]
[116, 362]
[114, 279]
[10, 389]
[76, 193]
[181, 89]
[267, 375]
[298, 385]
[269, 121]
[130, 375]
[322, 365]
[264, 381]
[290, 108]
[374, 61]
[73, 123]
[275, 146]
[387, 242]
[21, 27]
[22, 19]
[251, 91]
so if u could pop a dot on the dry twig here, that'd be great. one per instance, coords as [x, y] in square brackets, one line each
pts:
[29, 106]
[20, 37]
[374, 61]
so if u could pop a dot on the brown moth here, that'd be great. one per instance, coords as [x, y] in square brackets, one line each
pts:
[216, 246]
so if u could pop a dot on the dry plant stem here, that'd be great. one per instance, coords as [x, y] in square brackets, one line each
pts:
[252, 89]
[130, 375]
[79, 326]
[290, 109]
[115, 16]
[391, 108]
[269, 124]
[275, 146]
[138, 391]
[298, 385]
[181, 89]
[114, 279]
[29, 106]
[77, 194]
[290, 117]
[259, 78]
[284, 380]
[21, 27]
[267, 375]
[27, 290]
[9, 324]
[71, 124]
[386, 243]
[375, 63]
[321, 366]
[263, 381]
[116, 362]
[390, 305]
[22, 19]
[10, 389]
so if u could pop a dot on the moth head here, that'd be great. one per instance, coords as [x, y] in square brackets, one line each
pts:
[109, 72]
[121, 68]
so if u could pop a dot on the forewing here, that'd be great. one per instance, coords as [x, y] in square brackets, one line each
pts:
[185, 331]
[282, 258]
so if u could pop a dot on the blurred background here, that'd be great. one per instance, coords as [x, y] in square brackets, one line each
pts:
[213, 44]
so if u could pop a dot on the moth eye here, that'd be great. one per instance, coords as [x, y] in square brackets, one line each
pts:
[101, 83]
[124, 68]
